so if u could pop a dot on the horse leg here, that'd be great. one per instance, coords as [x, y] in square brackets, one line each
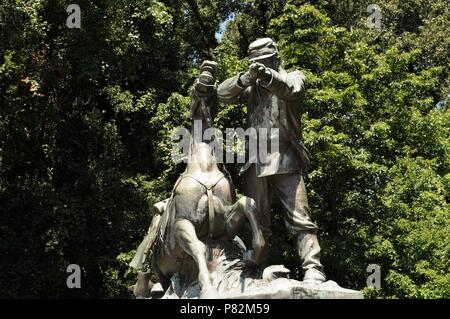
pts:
[246, 208]
[158, 263]
[187, 239]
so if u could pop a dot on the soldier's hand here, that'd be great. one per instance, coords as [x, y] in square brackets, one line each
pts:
[256, 71]
[206, 80]
[209, 66]
[246, 79]
[259, 71]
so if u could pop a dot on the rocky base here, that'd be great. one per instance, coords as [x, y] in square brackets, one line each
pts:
[283, 288]
[235, 279]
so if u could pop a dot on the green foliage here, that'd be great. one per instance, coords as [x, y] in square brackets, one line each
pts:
[86, 117]
[380, 153]
[84, 135]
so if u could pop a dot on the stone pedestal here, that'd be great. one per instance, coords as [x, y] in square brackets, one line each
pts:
[280, 288]
[283, 288]
[233, 279]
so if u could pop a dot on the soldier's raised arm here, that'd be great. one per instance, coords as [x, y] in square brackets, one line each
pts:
[234, 89]
[288, 86]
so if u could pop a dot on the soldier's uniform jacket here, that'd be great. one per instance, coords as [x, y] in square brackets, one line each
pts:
[276, 104]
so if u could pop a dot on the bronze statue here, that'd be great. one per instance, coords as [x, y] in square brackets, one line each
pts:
[193, 241]
[202, 207]
[275, 100]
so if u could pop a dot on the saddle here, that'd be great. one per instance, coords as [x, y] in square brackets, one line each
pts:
[169, 213]
[163, 216]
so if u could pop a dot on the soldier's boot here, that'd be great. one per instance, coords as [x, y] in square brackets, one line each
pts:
[309, 251]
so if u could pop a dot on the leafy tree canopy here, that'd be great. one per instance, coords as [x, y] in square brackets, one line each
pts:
[86, 116]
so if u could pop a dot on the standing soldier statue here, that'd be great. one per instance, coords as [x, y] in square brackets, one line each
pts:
[275, 101]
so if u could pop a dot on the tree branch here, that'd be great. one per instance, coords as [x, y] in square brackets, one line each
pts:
[208, 38]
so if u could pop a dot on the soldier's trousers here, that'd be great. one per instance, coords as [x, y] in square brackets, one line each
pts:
[291, 191]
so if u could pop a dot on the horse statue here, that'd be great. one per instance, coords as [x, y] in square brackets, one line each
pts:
[202, 207]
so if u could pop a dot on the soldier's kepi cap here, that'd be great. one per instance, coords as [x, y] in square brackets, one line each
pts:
[261, 49]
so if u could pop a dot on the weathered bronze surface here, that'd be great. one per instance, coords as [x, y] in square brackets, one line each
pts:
[274, 99]
[202, 206]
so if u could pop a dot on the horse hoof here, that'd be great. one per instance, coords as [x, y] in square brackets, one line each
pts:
[209, 293]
